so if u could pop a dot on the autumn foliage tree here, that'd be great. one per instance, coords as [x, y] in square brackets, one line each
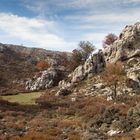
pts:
[64, 59]
[42, 64]
[114, 76]
[109, 39]
[80, 55]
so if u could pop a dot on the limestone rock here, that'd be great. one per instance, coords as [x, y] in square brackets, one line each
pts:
[134, 74]
[127, 45]
[132, 62]
[93, 65]
[47, 79]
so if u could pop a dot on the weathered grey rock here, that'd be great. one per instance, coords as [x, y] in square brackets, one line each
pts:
[133, 74]
[132, 62]
[127, 45]
[47, 79]
[93, 65]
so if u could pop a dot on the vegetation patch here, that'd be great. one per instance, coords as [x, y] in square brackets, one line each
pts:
[23, 98]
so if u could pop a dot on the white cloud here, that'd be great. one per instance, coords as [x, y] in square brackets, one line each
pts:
[95, 38]
[36, 31]
[129, 16]
[42, 5]
[131, 1]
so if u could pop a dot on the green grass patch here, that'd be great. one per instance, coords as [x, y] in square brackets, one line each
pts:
[23, 98]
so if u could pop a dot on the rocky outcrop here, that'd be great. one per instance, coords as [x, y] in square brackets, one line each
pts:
[127, 50]
[127, 46]
[95, 64]
[17, 63]
[133, 73]
[46, 79]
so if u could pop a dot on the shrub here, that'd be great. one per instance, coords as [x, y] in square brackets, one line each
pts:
[52, 101]
[113, 76]
[80, 55]
[42, 65]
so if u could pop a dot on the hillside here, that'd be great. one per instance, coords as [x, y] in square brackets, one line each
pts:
[17, 63]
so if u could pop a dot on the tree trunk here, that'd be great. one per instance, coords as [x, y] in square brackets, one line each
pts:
[114, 94]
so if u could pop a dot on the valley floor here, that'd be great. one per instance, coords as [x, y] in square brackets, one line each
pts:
[58, 118]
[23, 98]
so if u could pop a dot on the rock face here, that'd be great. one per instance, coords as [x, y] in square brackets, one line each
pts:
[133, 73]
[126, 47]
[47, 79]
[92, 66]
[17, 63]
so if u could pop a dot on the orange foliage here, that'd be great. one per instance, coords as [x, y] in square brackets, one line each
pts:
[42, 65]
[114, 75]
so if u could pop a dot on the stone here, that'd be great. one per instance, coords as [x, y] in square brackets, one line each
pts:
[104, 127]
[47, 79]
[113, 132]
[63, 92]
[127, 46]
[99, 86]
[132, 84]
[132, 62]
[95, 64]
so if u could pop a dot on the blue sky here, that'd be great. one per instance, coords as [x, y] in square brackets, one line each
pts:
[61, 24]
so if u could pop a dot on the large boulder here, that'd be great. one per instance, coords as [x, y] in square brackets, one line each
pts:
[46, 79]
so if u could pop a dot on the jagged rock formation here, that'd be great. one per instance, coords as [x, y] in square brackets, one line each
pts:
[125, 49]
[127, 46]
[95, 64]
[92, 66]
[46, 79]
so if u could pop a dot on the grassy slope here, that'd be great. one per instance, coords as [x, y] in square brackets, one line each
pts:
[23, 98]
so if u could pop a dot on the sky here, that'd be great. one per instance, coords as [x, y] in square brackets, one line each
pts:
[61, 24]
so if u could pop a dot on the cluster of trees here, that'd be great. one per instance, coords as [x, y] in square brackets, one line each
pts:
[79, 55]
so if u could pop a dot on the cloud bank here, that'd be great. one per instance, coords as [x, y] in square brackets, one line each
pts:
[40, 33]
[61, 24]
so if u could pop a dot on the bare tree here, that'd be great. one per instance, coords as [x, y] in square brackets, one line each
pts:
[114, 76]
